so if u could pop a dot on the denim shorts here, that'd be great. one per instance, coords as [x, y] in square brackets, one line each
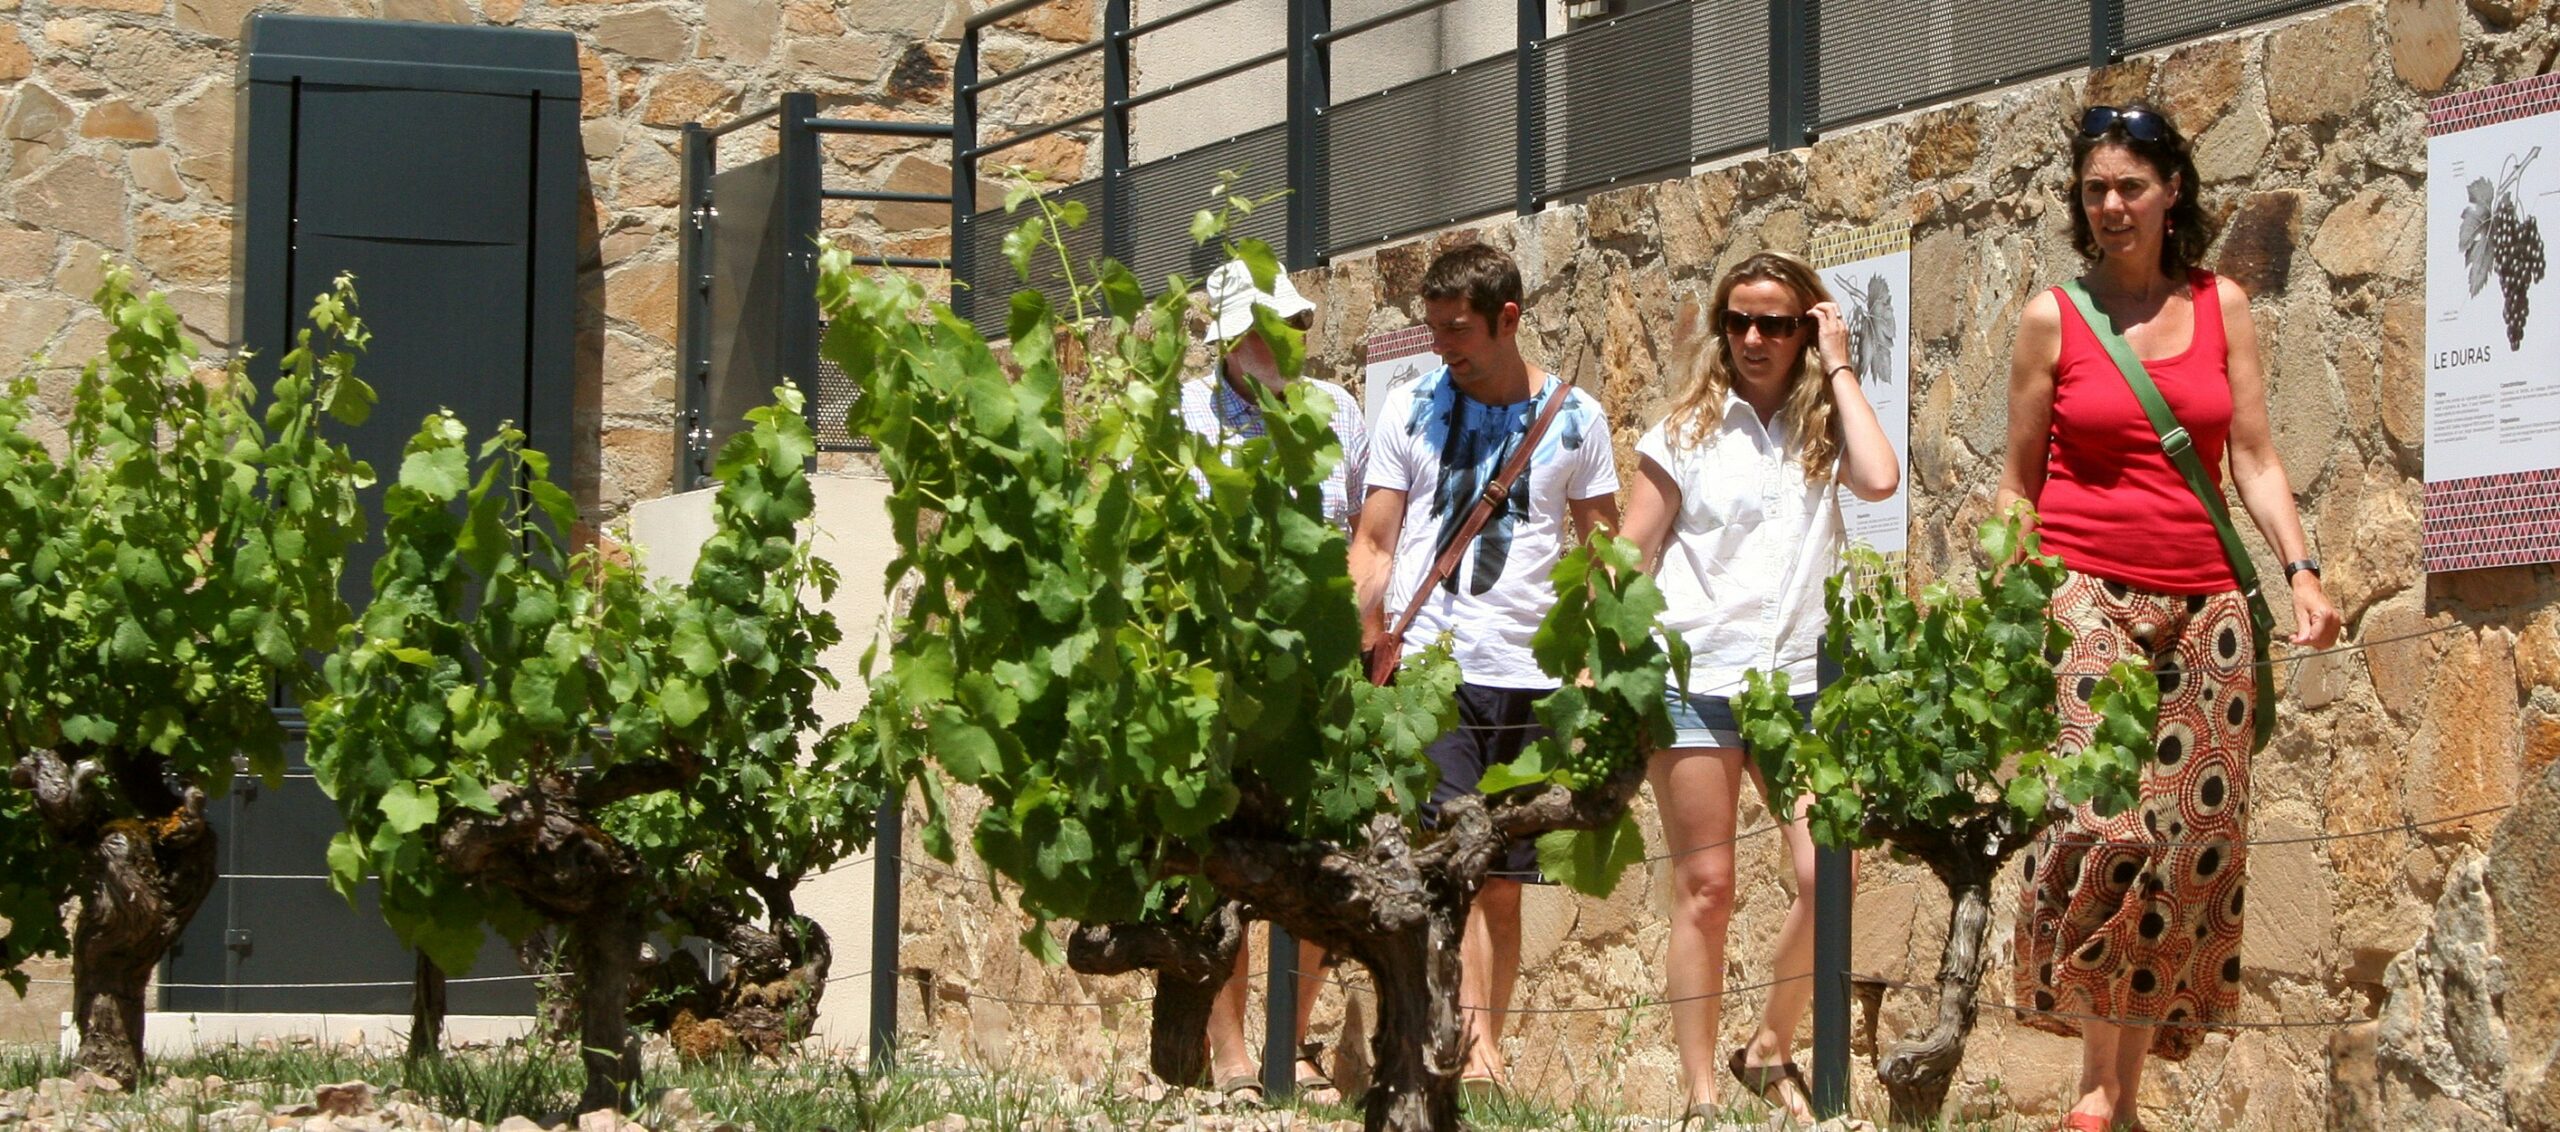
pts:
[1707, 721]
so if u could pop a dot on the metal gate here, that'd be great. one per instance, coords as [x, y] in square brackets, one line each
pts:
[748, 261]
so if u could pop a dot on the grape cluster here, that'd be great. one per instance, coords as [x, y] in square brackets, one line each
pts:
[2515, 247]
[1616, 740]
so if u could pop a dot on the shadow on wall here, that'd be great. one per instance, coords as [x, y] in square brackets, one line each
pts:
[586, 398]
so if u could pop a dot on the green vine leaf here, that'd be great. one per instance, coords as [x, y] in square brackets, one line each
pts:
[1944, 714]
[162, 575]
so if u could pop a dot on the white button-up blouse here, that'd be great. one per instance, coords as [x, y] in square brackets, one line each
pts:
[1743, 568]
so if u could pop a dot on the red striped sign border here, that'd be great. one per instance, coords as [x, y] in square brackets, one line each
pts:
[2489, 106]
[2503, 520]
[1388, 345]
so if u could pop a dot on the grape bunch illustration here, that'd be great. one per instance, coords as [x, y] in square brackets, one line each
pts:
[2495, 237]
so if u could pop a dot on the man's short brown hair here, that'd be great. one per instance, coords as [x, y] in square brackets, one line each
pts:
[1484, 275]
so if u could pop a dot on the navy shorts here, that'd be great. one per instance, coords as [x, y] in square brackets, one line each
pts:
[1494, 726]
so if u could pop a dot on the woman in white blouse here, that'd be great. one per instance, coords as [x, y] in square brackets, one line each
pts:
[1738, 512]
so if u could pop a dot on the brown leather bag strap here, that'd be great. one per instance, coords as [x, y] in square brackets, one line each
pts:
[1495, 491]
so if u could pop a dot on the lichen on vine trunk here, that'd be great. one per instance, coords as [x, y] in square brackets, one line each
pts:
[141, 881]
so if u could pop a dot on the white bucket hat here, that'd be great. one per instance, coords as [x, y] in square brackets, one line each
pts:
[1232, 297]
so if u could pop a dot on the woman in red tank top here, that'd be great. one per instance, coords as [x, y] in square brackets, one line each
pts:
[2135, 918]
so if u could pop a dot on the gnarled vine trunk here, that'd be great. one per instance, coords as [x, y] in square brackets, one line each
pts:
[1192, 962]
[768, 998]
[1400, 909]
[604, 946]
[141, 880]
[1918, 1071]
[543, 846]
[426, 1009]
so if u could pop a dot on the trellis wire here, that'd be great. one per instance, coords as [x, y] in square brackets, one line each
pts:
[2288, 658]
[2184, 1024]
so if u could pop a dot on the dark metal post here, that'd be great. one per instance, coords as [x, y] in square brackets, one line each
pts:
[2106, 32]
[1832, 901]
[964, 171]
[1530, 63]
[802, 183]
[1310, 92]
[693, 319]
[1280, 1017]
[1792, 72]
[1119, 228]
[888, 841]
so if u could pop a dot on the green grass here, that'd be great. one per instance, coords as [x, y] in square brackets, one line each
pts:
[541, 1081]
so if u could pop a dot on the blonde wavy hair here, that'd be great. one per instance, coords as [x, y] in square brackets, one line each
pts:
[1703, 360]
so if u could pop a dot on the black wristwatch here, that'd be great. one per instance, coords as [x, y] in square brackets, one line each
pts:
[2298, 566]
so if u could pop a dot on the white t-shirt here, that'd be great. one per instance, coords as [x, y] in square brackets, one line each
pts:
[1440, 447]
[1743, 569]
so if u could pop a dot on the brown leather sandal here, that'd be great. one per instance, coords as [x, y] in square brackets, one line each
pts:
[1243, 1090]
[1764, 1081]
[1313, 1086]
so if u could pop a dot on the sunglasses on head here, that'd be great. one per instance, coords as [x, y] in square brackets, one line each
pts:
[1771, 325]
[2140, 125]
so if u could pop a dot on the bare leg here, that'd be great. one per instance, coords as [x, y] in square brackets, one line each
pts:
[1694, 790]
[1228, 1057]
[1488, 966]
[1311, 978]
[2101, 1052]
[2133, 1046]
[1792, 965]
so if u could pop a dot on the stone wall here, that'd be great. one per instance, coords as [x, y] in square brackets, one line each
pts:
[2309, 137]
[117, 121]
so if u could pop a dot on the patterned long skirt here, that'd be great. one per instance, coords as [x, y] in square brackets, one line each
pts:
[2136, 917]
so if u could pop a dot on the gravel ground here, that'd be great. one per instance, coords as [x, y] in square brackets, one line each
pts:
[84, 1103]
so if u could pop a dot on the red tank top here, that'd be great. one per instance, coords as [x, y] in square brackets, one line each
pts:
[2113, 505]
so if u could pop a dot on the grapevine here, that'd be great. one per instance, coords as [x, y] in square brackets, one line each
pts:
[157, 584]
[1141, 646]
[1937, 739]
[521, 734]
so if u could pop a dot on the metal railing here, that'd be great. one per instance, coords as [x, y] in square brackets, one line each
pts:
[1640, 96]
[747, 266]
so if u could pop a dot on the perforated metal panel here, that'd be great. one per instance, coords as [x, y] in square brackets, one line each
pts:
[1653, 91]
[836, 393]
[1728, 80]
[1617, 99]
[1879, 56]
[1422, 155]
[2149, 23]
[1164, 193]
[996, 281]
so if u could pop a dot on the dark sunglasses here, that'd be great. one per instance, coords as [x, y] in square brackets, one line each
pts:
[2140, 125]
[1771, 325]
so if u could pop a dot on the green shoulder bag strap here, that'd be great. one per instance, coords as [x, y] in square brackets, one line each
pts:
[2182, 453]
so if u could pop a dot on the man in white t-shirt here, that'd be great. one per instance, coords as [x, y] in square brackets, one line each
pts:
[1432, 448]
